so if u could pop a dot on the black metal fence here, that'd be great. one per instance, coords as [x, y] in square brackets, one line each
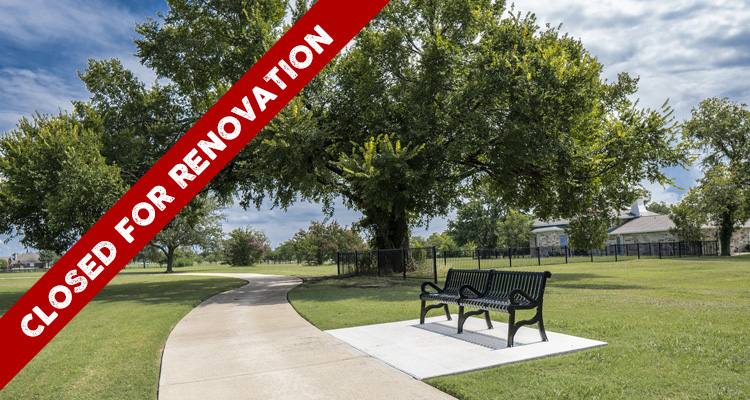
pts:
[428, 263]
[407, 263]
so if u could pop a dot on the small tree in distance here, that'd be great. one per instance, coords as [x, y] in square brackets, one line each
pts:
[320, 242]
[245, 246]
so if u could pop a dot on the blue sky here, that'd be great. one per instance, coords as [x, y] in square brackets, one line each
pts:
[682, 50]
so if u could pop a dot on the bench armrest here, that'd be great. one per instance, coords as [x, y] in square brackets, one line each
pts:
[430, 284]
[520, 292]
[470, 289]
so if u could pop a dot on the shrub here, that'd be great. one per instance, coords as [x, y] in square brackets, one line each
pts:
[245, 246]
[183, 262]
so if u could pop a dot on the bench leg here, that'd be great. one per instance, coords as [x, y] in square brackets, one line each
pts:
[512, 328]
[463, 316]
[540, 323]
[447, 313]
[461, 319]
[425, 309]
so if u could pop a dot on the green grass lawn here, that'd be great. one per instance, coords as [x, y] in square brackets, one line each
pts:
[676, 328]
[112, 348]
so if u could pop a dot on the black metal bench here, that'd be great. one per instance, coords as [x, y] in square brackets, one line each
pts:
[456, 281]
[507, 291]
[489, 290]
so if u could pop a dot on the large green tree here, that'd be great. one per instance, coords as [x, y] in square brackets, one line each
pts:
[432, 97]
[54, 182]
[721, 129]
[722, 200]
[59, 174]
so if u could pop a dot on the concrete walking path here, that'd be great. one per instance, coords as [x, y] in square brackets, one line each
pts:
[249, 343]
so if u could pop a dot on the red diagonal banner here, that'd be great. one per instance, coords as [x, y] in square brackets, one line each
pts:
[177, 177]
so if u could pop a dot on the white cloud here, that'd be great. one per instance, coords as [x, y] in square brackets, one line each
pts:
[35, 22]
[682, 50]
[23, 91]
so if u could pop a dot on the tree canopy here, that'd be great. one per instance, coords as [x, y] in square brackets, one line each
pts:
[432, 98]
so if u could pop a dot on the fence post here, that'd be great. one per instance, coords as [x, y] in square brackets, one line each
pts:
[338, 263]
[510, 257]
[434, 262]
[566, 254]
[615, 251]
[679, 249]
[356, 263]
[377, 254]
[479, 258]
[403, 259]
[538, 256]
[659, 243]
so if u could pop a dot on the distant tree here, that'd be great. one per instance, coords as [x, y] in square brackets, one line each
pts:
[514, 229]
[658, 207]
[285, 251]
[441, 241]
[197, 225]
[245, 246]
[153, 255]
[589, 230]
[477, 220]
[417, 241]
[320, 242]
[3, 263]
[688, 218]
[49, 256]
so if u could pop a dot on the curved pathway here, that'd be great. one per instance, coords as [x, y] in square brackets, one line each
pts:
[249, 343]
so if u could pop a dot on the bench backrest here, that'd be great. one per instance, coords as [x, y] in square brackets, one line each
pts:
[502, 283]
[457, 278]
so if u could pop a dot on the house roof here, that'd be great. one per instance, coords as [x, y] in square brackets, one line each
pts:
[25, 258]
[634, 212]
[644, 224]
[548, 229]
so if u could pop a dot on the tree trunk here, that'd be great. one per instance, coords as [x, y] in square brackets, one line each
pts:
[726, 229]
[391, 232]
[170, 259]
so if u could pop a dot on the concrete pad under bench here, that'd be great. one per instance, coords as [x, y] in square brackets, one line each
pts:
[435, 349]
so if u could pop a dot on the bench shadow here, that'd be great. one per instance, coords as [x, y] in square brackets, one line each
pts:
[473, 337]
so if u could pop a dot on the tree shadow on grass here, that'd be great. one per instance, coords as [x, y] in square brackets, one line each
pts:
[153, 292]
[586, 281]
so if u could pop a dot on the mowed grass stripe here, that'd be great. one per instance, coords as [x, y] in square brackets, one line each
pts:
[112, 348]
